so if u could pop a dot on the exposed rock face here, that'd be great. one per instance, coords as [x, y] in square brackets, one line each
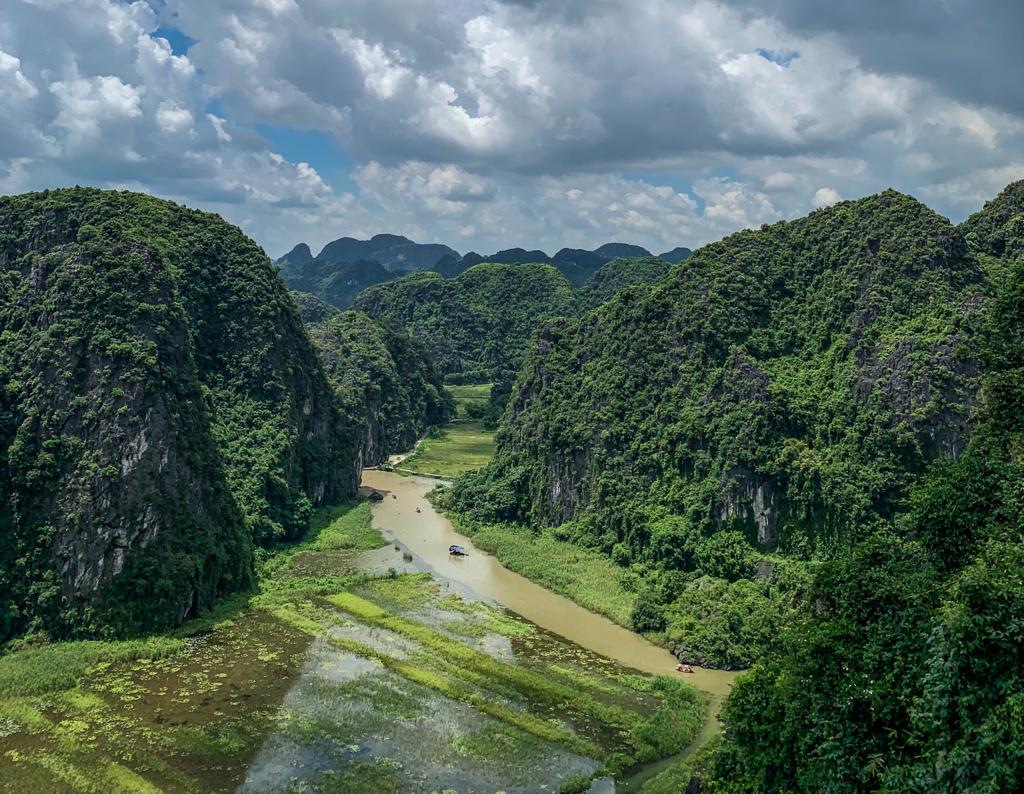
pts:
[162, 409]
[747, 497]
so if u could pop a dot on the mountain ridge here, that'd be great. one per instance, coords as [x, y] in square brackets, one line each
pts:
[363, 263]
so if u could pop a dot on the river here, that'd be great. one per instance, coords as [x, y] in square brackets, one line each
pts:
[428, 534]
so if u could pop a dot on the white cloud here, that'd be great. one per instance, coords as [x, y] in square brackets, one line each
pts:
[172, 118]
[826, 197]
[87, 104]
[218, 126]
[487, 122]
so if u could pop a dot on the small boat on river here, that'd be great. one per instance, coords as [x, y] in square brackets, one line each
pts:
[456, 551]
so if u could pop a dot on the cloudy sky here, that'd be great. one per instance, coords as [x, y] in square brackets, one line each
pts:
[492, 123]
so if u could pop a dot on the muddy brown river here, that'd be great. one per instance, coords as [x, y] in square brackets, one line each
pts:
[428, 534]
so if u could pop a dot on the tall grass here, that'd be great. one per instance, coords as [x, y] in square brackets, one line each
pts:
[587, 577]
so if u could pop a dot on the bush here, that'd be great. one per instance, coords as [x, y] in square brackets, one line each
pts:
[647, 615]
[725, 555]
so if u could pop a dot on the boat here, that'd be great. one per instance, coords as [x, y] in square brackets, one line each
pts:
[456, 551]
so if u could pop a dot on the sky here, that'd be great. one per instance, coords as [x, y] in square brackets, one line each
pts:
[487, 124]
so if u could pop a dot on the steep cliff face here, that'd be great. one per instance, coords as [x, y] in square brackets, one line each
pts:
[789, 383]
[162, 409]
[387, 387]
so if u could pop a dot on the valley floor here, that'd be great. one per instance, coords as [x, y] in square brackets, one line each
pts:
[462, 445]
[348, 670]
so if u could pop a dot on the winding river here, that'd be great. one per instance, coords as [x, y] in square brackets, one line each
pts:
[427, 535]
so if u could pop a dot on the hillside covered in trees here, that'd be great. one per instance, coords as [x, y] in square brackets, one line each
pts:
[787, 383]
[384, 381]
[618, 274]
[475, 326]
[163, 410]
[804, 446]
[335, 283]
[478, 326]
[345, 267]
[906, 674]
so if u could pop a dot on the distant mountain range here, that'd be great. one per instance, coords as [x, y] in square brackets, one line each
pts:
[345, 267]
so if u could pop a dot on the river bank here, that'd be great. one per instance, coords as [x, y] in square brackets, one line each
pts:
[428, 534]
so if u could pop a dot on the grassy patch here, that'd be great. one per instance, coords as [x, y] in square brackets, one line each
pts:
[670, 780]
[467, 394]
[587, 577]
[456, 690]
[534, 685]
[456, 448]
[60, 666]
[404, 592]
[188, 713]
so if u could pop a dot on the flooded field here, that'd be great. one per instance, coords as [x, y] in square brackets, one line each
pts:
[358, 666]
[427, 535]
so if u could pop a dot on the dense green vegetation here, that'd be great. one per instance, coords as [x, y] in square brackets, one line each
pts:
[779, 391]
[461, 446]
[313, 310]
[806, 444]
[906, 675]
[161, 410]
[471, 399]
[476, 326]
[619, 274]
[335, 283]
[388, 390]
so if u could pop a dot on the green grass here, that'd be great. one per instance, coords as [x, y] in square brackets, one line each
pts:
[469, 394]
[534, 685]
[456, 690]
[59, 667]
[587, 577]
[457, 447]
[93, 716]
[670, 780]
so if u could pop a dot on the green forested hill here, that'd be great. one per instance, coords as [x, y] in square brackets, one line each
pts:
[787, 383]
[161, 409]
[618, 274]
[312, 310]
[906, 674]
[777, 393]
[475, 326]
[846, 389]
[385, 382]
[335, 283]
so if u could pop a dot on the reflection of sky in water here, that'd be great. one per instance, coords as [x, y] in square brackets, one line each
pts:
[338, 689]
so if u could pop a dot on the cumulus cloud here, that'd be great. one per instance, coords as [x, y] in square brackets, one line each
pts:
[826, 197]
[489, 123]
